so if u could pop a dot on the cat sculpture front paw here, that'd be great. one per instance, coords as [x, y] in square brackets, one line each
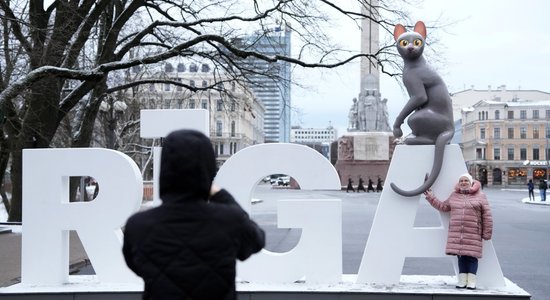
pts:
[397, 132]
[399, 141]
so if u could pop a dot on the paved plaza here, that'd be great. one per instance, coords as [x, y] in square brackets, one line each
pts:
[521, 236]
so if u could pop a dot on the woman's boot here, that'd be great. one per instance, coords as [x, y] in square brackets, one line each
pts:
[462, 281]
[471, 281]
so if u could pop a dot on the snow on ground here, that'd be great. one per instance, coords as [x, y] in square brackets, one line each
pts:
[3, 213]
[409, 284]
[537, 201]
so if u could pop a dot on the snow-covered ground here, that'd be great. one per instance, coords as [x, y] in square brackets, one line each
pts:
[409, 284]
[537, 200]
[3, 213]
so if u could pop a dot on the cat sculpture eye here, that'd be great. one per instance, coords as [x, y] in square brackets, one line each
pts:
[403, 43]
[417, 42]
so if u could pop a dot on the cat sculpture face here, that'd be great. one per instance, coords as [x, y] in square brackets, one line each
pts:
[410, 44]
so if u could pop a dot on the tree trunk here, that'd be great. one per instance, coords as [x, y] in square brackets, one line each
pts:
[16, 209]
[4, 158]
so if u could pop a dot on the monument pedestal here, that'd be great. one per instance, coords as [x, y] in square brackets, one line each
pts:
[364, 154]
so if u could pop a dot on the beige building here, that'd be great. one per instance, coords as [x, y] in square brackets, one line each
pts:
[236, 115]
[506, 143]
[467, 98]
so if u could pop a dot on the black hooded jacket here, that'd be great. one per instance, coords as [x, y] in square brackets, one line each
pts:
[187, 247]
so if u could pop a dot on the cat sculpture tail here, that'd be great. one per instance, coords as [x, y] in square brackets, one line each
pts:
[440, 143]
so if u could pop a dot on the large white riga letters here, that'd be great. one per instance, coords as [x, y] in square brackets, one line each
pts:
[48, 216]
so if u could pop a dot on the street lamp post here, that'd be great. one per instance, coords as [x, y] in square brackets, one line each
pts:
[547, 135]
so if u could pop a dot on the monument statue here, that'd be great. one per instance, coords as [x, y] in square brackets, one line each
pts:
[366, 149]
[369, 113]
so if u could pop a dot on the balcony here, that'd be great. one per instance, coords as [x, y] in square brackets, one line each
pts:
[225, 135]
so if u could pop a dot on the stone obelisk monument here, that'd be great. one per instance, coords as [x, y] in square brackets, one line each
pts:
[364, 153]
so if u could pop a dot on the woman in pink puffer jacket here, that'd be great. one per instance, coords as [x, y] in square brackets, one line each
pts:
[470, 223]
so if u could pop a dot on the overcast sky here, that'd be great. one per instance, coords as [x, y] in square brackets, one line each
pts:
[504, 42]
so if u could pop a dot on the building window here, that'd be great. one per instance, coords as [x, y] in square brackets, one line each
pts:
[548, 132]
[232, 128]
[233, 105]
[535, 114]
[523, 114]
[180, 103]
[179, 87]
[219, 128]
[205, 68]
[510, 115]
[181, 68]
[192, 83]
[522, 153]
[496, 133]
[166, 87]
[192, 103]
[168, 68]
[204, 83]
[479, 153]
[536, 153]
[511, 153]
[535, 133]
[166, 103]
[219, 105]
[522, 132]
[497, 114]
[152, 87]
[547, 114]
[136, 69]
[511, 133]
[204, 104]
[479, 116]
[482, 133]
[496, 154]
[233, 86]
[221, 149]
[193, 68]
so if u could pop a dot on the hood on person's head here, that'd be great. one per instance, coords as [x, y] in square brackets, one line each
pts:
[187, 166]
[467, 175]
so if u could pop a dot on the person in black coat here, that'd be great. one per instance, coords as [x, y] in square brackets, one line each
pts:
[187, 247]
[370, 187]
[361, 186]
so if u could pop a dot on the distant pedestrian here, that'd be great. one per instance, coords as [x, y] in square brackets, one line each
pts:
[483, 181]
[370, 188]
[361, 187]
[531, 188]
[379, 185]
[187, 247]
[542, 189]
[350, 185]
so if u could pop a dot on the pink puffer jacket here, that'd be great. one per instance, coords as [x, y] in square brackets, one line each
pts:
[470, 222]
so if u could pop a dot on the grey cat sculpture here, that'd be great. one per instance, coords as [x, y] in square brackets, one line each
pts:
[429, 108]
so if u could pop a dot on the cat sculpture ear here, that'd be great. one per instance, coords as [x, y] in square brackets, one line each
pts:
[398, 31]
[420, 28]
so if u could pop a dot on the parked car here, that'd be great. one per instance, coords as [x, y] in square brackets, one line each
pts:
[279, 179]
[283, 180]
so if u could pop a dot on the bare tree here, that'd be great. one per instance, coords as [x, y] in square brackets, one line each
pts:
[60, 62]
